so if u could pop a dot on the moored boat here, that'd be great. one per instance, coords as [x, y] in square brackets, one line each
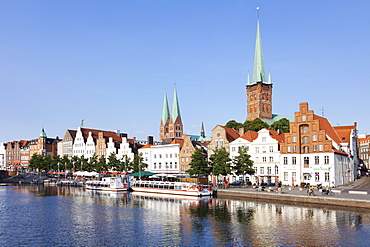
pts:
[174, 188]
[113, 184]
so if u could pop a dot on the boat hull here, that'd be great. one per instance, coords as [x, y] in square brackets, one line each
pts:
[173, 192]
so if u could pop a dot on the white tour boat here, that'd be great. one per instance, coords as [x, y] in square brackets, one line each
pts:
[173, 188]
[113, 184]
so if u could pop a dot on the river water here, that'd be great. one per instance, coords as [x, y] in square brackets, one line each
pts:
[33, 215]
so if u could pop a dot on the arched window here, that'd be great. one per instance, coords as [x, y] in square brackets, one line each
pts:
[305, 140]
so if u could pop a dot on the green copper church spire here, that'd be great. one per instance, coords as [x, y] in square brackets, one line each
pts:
[259, 67]
[166, 110]
[43, 134]
[175, 107]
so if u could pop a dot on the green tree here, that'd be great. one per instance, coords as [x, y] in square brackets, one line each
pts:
[220, 162]
[198, 164]
[82, 163]
[92, 165]
[74, 161]
[54, 162]
[36, 162]
[138, 164]
[65, 163]
[243, 164]
[102, 165]
[113, 162]
[255, 125]
[283, 125]
[125, 164]
[234, 125]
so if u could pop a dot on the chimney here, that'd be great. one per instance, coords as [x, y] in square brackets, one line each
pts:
[150, 140]
[241, 131]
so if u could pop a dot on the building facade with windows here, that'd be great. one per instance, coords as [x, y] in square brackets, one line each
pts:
[312, 152]
[161, 159]
[222, 137]
[265, 152]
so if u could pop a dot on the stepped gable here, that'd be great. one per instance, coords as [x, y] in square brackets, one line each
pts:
[330, 131]
[106, 134]
[250, 135]
[231, 134]
[280, 137]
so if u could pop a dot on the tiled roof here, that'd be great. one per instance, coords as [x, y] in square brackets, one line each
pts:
[338, 151]
[364, 140]
[250, 135]
[178, 141]
[147, 146]
[344, 132]
[330, 131]
[231, 134]
[274, 134]
[106, 134]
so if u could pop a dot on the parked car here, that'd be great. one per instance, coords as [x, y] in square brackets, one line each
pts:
[236, 183]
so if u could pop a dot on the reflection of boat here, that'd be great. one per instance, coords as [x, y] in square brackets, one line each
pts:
[113, 184]
[173, 188]
[70, 183]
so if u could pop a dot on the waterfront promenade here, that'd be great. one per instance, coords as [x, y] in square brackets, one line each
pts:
[355, 194]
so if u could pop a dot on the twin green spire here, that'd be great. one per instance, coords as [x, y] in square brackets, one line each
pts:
[259, 67]
[175, 113]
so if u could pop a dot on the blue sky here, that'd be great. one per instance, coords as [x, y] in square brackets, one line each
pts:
[109, 62]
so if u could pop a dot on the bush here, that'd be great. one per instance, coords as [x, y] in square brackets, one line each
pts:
[249, 183]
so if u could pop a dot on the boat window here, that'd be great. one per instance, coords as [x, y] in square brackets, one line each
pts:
[165, 186]
[171, 187]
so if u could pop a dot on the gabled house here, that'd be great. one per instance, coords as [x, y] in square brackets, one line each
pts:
[312, 152]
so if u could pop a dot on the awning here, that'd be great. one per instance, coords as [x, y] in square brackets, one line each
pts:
[142, 174]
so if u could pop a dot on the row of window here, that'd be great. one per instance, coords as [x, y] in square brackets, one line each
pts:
[308, 176]
[166, 166]
[166, 155]
[264, 149]
[305, 139]
[306, 160]
[264, 159]
[269, 170]
[306, 149]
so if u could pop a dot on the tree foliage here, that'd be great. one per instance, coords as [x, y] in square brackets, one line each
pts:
[283, 125]
[220, 162]
[198, 164]
[255, 125]
[138, 165]
[234, 125]
[243, 165]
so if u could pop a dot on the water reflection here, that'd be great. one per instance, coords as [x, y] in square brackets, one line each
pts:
[52, 215]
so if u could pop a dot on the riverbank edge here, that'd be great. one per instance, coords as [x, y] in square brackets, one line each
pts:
[346, 202]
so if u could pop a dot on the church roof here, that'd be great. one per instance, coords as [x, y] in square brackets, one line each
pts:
[175, 113]
[43, 134]
[259, 67]
[165, 110]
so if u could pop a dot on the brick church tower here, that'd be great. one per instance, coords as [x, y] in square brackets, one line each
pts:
[171, 126]
[259, 91]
